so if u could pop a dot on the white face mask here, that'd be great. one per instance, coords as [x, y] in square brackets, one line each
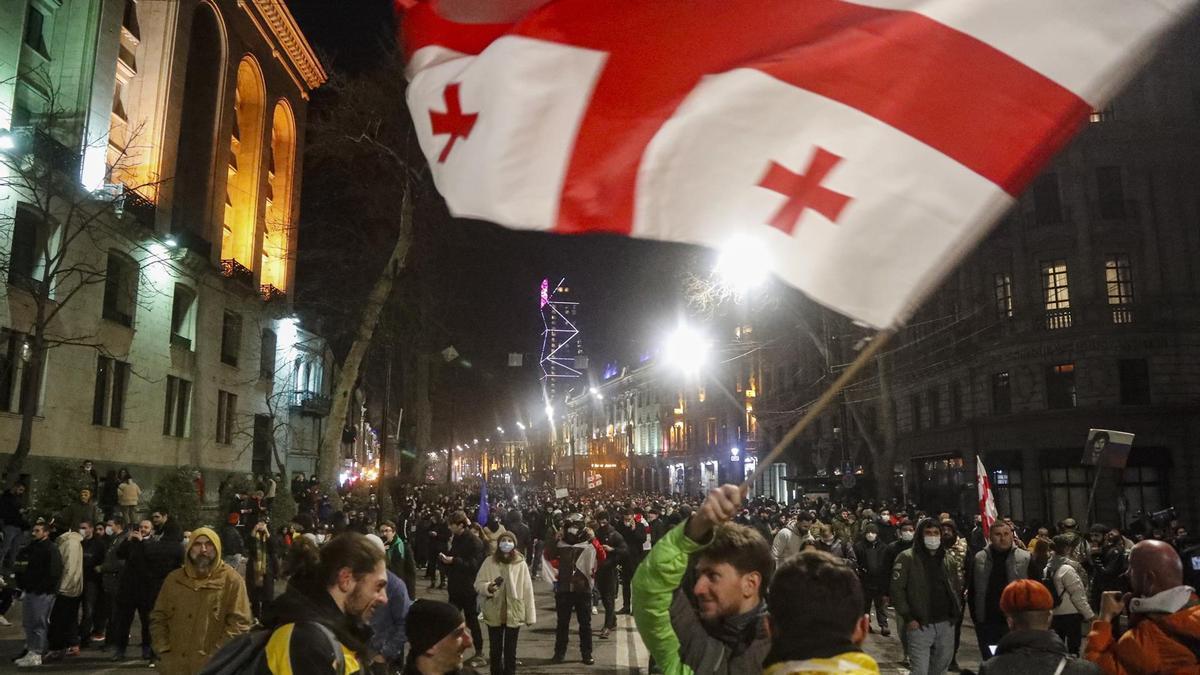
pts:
[906, 535]
[933, 543]
[84, 533]
[108, 530]
[505, 546]
[871, 536]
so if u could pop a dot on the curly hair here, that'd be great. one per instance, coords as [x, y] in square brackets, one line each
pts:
[743, 547]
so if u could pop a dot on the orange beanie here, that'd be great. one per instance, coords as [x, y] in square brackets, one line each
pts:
[1025, 595]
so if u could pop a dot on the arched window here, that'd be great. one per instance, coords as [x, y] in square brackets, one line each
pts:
[193, 185]
[245, 155]
[120, 288]
[280, 162]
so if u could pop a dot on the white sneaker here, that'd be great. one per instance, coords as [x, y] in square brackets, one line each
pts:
[4, 621]
[28, 660]
[595, 611]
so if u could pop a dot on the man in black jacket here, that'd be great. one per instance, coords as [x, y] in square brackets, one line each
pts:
[439, 539]
[110, 570]
[637, 540]
[13, 522]
[466, 555]
[606, 575]
[39, 567]
[1030, 646]
[147, 564]
[95, 617]
[874, 573]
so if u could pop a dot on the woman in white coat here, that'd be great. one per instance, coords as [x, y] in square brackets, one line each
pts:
[507, 588]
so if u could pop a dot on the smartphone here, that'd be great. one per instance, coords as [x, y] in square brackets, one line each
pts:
[499, 581]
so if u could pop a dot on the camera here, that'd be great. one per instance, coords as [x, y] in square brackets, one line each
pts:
[1164, 517]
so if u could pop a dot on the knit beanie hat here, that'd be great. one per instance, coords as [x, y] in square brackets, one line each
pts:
[429, 621]
[1025, 595]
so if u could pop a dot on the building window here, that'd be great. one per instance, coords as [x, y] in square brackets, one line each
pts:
[1009, 493]
[266, 355]
[25, 258]
[935, 407]
[956, 401]
[35, 31]
[108, 404]
[1067, 491]
[1060, 386]
[1056, 294]
[1118, 283]
[1111, 192]
[15, 371]
[710, 432]
[231, 338]
[183, 316]
[1002, 292]
[1135, 381]
[1001, 393]
[914, 404]
[175, 410]
[1047, 202]
[1144, 489]
[120, 288]
[226, 414]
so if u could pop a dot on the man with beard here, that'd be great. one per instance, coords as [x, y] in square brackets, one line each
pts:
[200, 607]
[721, 625]
[319, 625]
[466, 554]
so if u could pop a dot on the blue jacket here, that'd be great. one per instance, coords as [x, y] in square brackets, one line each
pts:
[388, 621]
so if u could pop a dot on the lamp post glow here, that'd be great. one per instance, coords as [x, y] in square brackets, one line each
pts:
[686, 349]
[740, 264]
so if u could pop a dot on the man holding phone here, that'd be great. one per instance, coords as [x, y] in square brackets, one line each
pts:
[1164, 617]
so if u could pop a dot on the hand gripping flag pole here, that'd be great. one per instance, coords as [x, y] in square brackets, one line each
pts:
[878, 341]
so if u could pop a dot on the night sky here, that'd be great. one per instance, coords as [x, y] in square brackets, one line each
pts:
[488, 277]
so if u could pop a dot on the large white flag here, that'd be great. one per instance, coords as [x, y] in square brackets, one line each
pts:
[866, 145]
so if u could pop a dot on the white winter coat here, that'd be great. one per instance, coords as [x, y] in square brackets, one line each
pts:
[1072, 594]
[517, 589]
[71, 550]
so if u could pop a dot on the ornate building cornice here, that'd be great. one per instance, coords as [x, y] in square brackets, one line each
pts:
[301, 60]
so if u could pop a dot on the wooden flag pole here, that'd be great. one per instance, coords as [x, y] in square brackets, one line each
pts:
[864, 357]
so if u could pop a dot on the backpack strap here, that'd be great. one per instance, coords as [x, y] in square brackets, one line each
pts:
[1062, 664]
[340, 658]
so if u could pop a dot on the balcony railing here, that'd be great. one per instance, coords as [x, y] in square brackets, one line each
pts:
[312, 403]
[232, 269]
[1122, 314]
[1058, 318]
[269, 293]
[139, 207]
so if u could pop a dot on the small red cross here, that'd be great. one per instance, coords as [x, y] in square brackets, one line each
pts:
[804, 191]
[453, 121]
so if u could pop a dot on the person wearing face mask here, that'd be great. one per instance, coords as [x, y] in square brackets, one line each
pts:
[507, 588]
[110, 570]
[873, 572]
[926, 594]
[576, 564]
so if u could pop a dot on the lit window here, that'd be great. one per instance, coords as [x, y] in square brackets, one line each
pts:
[1056, 294]
[1118, 282]
[1102, 115]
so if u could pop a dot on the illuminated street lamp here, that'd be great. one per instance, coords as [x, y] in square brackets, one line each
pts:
[686, 349]
[500, 429]
[520, 426]
[549, 411]
[740, 265]
[7, 140]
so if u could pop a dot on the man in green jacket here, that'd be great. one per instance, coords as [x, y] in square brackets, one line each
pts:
[719, 627]
[925, 591]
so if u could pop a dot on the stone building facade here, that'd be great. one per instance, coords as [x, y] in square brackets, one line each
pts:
[186, 121]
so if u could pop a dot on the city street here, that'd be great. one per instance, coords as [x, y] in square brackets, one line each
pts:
[621, 654]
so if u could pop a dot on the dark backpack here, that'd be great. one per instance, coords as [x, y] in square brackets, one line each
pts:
[246, 654]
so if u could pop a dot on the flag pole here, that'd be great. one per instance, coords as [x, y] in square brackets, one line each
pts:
[864, 357]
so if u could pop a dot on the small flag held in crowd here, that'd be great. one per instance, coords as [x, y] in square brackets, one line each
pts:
[987, 501]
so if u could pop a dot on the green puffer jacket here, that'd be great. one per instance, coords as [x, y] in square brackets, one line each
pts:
[670, 625]
[910, 584]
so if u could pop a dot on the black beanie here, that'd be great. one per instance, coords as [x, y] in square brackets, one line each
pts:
[429, 621]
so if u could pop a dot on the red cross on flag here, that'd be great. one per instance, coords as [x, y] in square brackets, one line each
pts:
[867, 145]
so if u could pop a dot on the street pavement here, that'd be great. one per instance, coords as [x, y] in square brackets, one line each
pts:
[621, 654]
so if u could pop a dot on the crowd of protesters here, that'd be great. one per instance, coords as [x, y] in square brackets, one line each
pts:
[719, 583]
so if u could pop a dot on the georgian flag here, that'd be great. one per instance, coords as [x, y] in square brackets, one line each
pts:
[987, 501]
[867, 146]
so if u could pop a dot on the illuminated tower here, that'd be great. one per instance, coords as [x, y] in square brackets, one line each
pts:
[562, 348]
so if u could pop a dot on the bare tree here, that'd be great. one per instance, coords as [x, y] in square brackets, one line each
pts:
[58, 234]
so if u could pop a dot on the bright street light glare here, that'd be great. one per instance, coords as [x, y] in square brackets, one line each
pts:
[686, 349]
[500, 429]
[550, 411]
[7, 142]
[520, 426]
[740, 263]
